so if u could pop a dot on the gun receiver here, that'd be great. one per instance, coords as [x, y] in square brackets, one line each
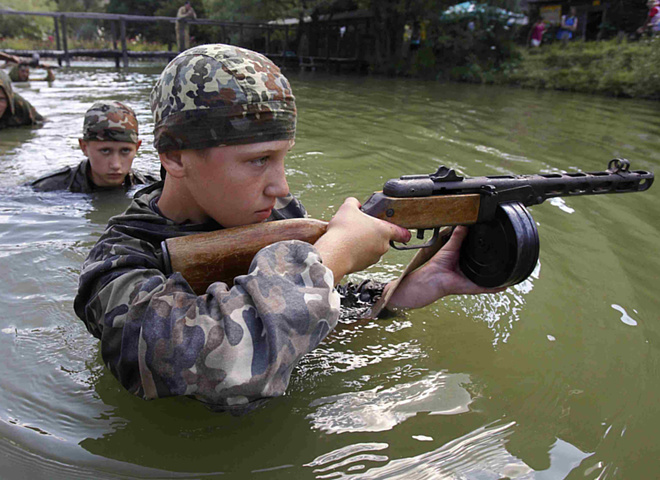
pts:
[501, 249]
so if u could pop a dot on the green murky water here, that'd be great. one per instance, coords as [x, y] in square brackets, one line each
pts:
[555, 378]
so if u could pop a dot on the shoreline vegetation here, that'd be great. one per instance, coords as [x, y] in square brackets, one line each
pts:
[612, 68]
[617, 68]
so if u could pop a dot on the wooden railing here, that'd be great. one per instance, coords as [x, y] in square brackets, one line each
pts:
[121, 53]
[63, 53]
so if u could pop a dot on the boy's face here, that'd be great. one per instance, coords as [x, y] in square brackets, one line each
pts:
[110, 162]
[237, 184]
[23, 73]
[4, 102]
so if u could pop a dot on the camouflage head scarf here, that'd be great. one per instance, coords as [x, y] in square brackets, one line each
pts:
[214, 95]
[110, 121]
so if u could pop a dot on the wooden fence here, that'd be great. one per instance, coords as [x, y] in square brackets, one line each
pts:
[282, 52]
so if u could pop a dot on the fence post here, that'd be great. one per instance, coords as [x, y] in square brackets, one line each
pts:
[327, 47]
[113, 29]
[57, 38]
[286, 39]
[67, 60]
[240, 36]
[124, 50]
[181, 31]
[267, 39]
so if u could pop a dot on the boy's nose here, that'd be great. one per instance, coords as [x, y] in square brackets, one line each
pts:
[278, 186]
[115, 163]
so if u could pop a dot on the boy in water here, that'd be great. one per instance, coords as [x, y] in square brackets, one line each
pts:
[110, 142]
[21, 73]
[224, 121]
[15, 111]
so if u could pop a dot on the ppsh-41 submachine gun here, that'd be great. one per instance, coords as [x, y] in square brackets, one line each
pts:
[501, 249]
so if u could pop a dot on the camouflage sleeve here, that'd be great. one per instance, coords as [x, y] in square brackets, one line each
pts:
[139, 178]
[59, 180]
[230, 347]
[25, 113]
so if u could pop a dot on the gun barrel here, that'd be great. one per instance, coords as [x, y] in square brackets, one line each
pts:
[527, 189]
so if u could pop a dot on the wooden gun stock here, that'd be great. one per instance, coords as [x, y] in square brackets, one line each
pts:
[223, 255]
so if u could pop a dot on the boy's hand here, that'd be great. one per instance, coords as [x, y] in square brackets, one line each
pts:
[439, 277]
[354, 240]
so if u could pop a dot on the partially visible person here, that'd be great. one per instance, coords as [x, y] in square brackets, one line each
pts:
[652, 22]
[569, 25]
[183, 28]
[21, 73]
[15, 111]
[9, 58]
[536, 33]
[110, 142]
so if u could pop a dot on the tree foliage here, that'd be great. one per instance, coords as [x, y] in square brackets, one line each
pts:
[34, 28]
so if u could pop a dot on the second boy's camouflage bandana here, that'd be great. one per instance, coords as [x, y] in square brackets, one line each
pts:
[110, 121]
[219, 94]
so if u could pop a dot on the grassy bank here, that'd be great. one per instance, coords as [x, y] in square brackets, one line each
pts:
[625, 69]
[133, 44]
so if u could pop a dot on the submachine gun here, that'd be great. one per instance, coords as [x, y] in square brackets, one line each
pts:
[501, 248]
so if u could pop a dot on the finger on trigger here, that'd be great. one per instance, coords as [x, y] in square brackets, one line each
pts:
[400, 234]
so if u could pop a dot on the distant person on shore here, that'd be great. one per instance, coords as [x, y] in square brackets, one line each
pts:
[15, 111]
[652, 22]
[536, 33]
[21, 73]
[569, 25]
[186, 11]
[110, 142]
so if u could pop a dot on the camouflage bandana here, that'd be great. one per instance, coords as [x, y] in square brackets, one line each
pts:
[214, 95]
[110, 121]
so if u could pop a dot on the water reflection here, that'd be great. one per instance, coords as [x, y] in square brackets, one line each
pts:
[380, 409]
[486, 453]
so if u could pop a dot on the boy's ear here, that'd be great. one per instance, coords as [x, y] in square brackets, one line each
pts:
[83, 146]
[137, 145]
[171, 161]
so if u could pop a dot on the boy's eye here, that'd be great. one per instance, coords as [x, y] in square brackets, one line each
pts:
[125, 151]
[105, 151]
[259, 162]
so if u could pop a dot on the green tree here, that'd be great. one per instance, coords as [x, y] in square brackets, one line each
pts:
[34, 28]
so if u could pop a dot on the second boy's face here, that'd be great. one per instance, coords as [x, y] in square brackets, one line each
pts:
[110, 161]
[238, 184]
[23, 73]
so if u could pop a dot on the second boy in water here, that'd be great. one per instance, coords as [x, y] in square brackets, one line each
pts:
[110, 142]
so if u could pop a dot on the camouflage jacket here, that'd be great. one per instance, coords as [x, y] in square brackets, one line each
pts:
[77, 179]
[19, 111]
[230, 348]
